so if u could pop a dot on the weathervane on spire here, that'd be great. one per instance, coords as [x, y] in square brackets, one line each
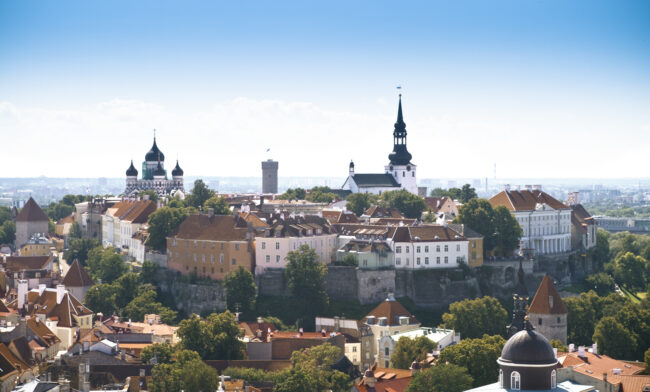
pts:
[399, 88]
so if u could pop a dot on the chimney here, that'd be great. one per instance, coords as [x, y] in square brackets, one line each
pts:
[41, 288]
[323, 333]
[22, 293]
[141, 372]
[506, 187]
[415, 367]
[605, 377]
[528, 187]
[210, 212]
[555, 351]
[300, 331]
[581, 352]
[594, 348]
[537, 187]
[260, 320]
[60, 292]
[261, 201]
[572, 347]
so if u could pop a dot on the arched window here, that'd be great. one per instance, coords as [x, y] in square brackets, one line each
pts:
[515, 381]
[501, 378]
[553, 379]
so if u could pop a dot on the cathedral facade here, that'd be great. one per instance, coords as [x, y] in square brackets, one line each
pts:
[398, 174]
[154, 176]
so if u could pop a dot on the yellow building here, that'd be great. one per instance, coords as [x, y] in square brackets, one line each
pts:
[37, 245]
[475, 253]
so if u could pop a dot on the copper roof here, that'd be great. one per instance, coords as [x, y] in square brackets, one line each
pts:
[77, 276]
[541, 303]
[525, 200]
[31, 212]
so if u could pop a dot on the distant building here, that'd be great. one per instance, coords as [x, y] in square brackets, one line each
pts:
[77, 280]
[398, 174]
[123, 220]
[210, 246]
[475, 251]
[583, 228]
[270, 176]
[37, 245]
[154, 176]
[428, 247]
[545, 221]
[548, 313]
[30, 220]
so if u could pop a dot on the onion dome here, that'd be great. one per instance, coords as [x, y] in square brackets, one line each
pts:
[131, 171]
[159, 170]
[527, 347]
[177, 172]
[400, 155]
[154, 154]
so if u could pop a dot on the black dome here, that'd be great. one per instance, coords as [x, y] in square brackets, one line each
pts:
[400, 156]
[131, 171]
[159, 170]
[528, 347]
[154, 154]
[177, 172]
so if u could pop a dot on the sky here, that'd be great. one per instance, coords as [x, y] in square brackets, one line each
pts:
[542, 89]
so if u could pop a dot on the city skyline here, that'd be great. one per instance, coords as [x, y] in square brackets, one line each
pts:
[542, 90]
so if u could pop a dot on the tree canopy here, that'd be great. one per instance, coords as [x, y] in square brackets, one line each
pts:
[199, 195]
[408, 350]
[218, 204]
[186, 372]
[320, 194]
[631, 271]
[463, 194]
[614, 339]
[441, 378]
[240, 290]
[79, 248]
[306, 281]
[360, 202]
[410, 205]
[479, 356]
[105, 264]
[499, 228]
[215, 337]
[293, 194]
[475, 317]
[161, 224]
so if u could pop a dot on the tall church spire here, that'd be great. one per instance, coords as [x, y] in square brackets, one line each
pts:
[400, 155]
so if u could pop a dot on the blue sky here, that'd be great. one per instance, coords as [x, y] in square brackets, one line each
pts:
[542, 88]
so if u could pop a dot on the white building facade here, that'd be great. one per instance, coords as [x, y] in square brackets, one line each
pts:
[428, 247]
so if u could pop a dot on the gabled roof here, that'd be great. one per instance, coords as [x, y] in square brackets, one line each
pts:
[382, 212]
[133, 211]
[594, 365]
[45, 304]
[27, 263]
[581, 218]
[375, 180]
[31, 212]
[426, 233]
[77, 276]
[541, 303]
[392, 310]
[525, 200]
[41, 330]
[15, 361]
[464, 230]
[215, 228]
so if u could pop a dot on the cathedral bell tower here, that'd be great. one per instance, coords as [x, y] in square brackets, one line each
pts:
[400, 166]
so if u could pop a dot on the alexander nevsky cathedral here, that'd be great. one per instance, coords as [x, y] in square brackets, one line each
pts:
[154, 176]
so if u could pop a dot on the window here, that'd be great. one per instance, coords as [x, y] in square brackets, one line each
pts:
[365, 263]
[446, 248]
[221, 245]
[457, 247]
[501, 378]
[403, 175]
[553, 379]
[277, 258]
[407, 261]
[539, 321]
[398, 249]
[418, 261]
[438, 260]
[417, 249]
[515, 381]
[398, 261]
[212, 258]
[426, 248]
[458, 259]
[426, 260]
[446, 260]
[354, 349]
[386, 350]
[234, 261]
[367, 355]
[437, 248]
[277, 245]
[221, 258]
[203, 258]
[407, 249]
[263, 245]
[268, 258]
[559, 320]
[412, 174]
[236, 246]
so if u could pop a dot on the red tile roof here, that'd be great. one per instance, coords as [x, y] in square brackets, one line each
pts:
[215, 228]
[595, 365]
[525, 200]
[31, 212]
[77, 276]
[426, 233]
[392, 310]
[134, 211]
[541, 303]
[24, 263]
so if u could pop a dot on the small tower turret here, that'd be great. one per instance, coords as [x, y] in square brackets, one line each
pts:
[351, 168]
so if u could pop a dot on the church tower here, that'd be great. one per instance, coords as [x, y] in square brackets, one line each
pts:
[400, 166]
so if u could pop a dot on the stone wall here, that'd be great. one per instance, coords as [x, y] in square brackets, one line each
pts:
[272, 283]
[341, 282]
[191, 297]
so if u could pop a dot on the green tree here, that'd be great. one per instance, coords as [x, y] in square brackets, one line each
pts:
[350, 260]
[79, 249]
[636, 319]
[360, 202]
[161, 224]
[218, 204]
[148, 273]
[105, 264]
[479, 356]
[475, 317]
[320, 194]
[75, 230]
[186, 372]
[467, 193]
[306, 281]
[479, 215]
[410, 205]
[5, 214]
[145, 303]
[240, 290]
[581, 318]
[293, 194]
[101, 298]
[153, 195]
[614, 339]
[408, 350]
[507, 230]
[630, 271]
[249, 374]
[441, 378]
[162, 352]
[556, 343]
[312, 368]
[216, 337]
[601, 283]
[199, 194]
[646, 359]
[453, 193]
[127, 288]
[8, 232]
[58, 211]
[600, 252]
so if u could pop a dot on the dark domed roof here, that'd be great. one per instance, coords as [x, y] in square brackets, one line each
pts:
[131, 171]
[528, 347]
[400, 156]
[159, 170]
[177, 172]
[154, 154]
